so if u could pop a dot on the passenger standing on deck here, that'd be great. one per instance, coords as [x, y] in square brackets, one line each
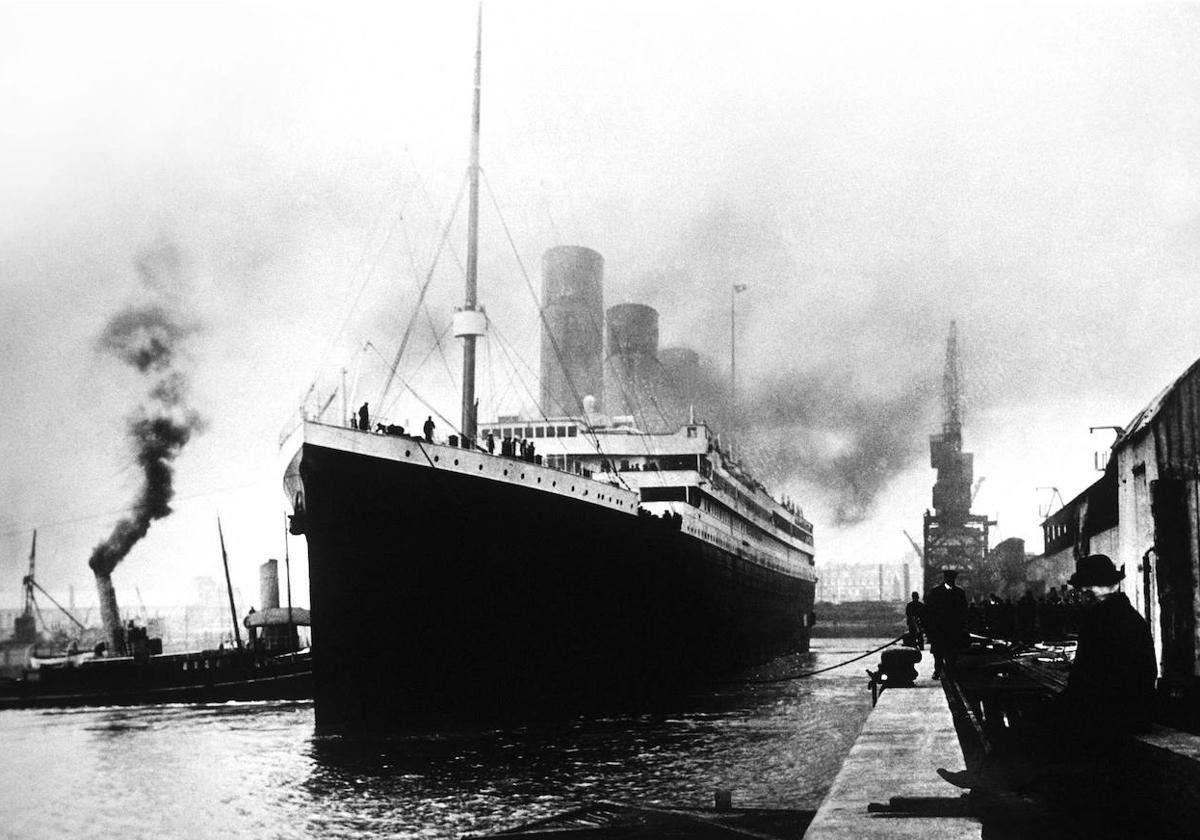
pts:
[429, 427]
[491, 443]
[364, 418]
[946, 622]
[914, 616]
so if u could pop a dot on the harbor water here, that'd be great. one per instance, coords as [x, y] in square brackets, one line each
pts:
[260, 770]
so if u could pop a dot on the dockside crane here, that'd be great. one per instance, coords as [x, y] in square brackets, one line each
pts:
[955, 538]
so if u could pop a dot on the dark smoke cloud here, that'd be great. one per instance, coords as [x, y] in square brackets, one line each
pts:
[157, 441]
[144, 337]
[149, 337]
[825, 430]
[838, 373]
[845, 442]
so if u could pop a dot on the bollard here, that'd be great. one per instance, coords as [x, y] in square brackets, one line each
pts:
[896, 666]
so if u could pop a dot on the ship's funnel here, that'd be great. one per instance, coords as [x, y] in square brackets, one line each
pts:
[572, 337]
[683, 392]
[632, 330]
[632, 373]
[268, 584]
[276, 637]
[681, 369]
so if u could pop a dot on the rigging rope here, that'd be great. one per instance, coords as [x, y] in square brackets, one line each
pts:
[437, 340]
[408, 387]
[125, 511]
[358, 297]
[806, 674]
[421, 298]
[542, 318]
[541, 312]
[505, 346]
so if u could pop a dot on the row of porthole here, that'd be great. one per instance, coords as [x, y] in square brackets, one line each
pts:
[600, 496]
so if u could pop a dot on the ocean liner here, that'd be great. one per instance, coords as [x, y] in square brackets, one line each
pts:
[585, 555]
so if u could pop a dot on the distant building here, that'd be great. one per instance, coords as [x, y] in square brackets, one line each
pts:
[838, 583]
[1087, 524]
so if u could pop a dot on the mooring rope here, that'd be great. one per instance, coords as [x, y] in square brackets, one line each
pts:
[821, 670]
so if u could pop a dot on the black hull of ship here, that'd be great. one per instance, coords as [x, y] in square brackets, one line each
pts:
[434, 592]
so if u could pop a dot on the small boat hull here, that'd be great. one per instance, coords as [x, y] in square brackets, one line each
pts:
[199, 677]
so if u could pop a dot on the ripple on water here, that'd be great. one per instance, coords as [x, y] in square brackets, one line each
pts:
[258, 770]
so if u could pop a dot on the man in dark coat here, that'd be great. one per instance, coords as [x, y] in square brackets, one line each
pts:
[1111, 684]
[914, 617]
[946, 622]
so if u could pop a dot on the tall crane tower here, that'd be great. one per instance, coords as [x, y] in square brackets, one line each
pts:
[954, 537]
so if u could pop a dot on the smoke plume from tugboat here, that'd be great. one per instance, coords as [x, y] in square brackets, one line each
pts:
[148, 337]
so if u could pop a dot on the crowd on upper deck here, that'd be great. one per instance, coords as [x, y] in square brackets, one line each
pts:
[510, 447]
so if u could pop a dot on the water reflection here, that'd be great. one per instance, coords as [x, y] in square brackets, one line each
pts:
[259, 770]
[775, 745]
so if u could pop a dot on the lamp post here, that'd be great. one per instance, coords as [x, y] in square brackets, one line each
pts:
[733, 293]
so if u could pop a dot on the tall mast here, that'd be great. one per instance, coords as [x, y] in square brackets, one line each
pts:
[237, 633]
[470, 321]
[29, 603]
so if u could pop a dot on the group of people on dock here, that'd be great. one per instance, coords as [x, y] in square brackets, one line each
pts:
[1110, 688]
[1051, 617]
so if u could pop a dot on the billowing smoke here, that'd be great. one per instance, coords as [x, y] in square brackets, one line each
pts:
[845, 442]
[148, 337]
[825, 431]
[838, 370]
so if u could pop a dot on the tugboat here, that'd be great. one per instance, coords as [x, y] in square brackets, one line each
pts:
[272, 666]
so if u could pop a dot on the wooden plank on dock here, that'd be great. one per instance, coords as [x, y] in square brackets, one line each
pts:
[889, 786]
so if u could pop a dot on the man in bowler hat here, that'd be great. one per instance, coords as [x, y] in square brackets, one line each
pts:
[1111, 684]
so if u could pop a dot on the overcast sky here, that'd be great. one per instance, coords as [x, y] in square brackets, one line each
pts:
[278, 175]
